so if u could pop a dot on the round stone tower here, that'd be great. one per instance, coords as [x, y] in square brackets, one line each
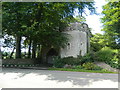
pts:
[78, 43]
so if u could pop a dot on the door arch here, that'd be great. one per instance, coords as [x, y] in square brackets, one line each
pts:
[51, 53]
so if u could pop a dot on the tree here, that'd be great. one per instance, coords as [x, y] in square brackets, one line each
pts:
[40, 23]
[8, 43]
[111, 22]
[13, 15]
[97, 42]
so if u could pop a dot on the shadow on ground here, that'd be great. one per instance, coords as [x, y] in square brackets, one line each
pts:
[77, 78]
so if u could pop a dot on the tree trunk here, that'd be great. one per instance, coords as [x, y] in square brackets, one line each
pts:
[18, 46]
[43, 53]
[12, 53]
[38, 51]
[29, 49]
[34, 50]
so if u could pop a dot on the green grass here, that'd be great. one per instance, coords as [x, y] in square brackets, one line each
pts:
[82, 70]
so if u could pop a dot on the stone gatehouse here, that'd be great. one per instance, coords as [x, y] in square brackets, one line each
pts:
[78, 43]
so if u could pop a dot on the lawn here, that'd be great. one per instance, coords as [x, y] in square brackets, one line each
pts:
[82, 70]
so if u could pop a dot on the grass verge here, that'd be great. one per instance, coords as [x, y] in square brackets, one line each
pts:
[82, 70]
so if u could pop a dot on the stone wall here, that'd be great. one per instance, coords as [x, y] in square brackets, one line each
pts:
[77, 44]
[19, 61]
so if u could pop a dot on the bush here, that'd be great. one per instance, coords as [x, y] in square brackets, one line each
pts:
[77, 67]
[72, 61]
[105, 54]
[87, 58]
[109, 56]
[60, 62]
[5, 55]
[91, 66]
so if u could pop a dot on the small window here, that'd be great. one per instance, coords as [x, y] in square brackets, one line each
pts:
[68, 45]
[81, 43]
[80, 52]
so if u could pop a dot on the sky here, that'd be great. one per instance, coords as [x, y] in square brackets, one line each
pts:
[93, 21]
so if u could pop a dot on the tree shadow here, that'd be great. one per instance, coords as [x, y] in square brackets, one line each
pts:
[77, 78]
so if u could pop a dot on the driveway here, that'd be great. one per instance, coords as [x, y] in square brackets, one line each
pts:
[29, 78]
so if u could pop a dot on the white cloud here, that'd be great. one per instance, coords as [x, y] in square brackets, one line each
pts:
[93, 21]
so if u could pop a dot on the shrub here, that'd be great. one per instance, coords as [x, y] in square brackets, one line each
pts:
[109, 56]
[87, 58]
[77, 67]
[60, 62]
[5, 55]
[91, 66]
[105, 54]
[72, 61]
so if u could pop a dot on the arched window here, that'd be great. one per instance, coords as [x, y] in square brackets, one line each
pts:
[68, 45]
[81, 43]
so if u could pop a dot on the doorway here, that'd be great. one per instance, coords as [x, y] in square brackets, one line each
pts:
[50, 55]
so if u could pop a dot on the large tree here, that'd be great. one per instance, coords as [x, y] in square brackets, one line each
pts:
[14, 15]
[98, 41]
[40, 23]
[111, 22]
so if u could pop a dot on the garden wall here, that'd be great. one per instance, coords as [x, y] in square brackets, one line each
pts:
[19, 61]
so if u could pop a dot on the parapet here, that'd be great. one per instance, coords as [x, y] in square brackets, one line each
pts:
[77, 26]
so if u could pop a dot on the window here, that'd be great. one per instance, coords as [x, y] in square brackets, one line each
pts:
[68, 45]
[81, 43]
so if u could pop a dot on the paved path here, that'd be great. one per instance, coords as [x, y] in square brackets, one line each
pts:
[29, 78]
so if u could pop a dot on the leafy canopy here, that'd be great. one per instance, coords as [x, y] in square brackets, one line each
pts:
[111, 21]
[41, 21]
